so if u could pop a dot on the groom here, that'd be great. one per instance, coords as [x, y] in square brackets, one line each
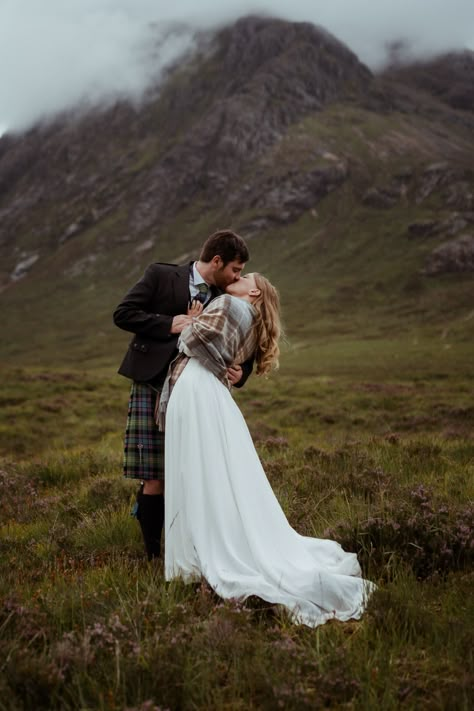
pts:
[155, 311]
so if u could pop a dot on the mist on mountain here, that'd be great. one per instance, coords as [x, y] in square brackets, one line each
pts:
[86, 53]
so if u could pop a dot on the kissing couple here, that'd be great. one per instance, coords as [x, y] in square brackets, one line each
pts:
[199, 330]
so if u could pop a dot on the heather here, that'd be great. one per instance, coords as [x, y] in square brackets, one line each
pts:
[87, 623]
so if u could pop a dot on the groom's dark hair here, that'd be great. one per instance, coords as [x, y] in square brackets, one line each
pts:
[227, 245]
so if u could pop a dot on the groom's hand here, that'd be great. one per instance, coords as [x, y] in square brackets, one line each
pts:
[234, 373]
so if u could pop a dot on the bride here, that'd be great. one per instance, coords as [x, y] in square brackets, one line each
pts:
[222, 519]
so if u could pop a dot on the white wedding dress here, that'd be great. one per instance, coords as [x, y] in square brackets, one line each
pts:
[223, 521]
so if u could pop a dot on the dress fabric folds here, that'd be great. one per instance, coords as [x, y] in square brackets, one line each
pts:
[224, 523]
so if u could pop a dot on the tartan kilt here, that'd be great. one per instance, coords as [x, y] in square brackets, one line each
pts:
[144, 447]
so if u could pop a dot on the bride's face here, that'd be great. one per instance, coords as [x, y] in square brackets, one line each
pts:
[243, 287]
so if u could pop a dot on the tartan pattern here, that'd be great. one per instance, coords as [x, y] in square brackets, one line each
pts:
[221, 335]
[144, 452]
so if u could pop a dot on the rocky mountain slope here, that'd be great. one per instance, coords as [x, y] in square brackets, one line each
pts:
[356, 191]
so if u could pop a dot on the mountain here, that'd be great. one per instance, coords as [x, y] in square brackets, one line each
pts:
[449, 77]
[355, 191]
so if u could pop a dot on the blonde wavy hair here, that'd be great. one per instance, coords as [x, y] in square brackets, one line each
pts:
[267, 325]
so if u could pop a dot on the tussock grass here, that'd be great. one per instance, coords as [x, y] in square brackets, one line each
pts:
[86, 622]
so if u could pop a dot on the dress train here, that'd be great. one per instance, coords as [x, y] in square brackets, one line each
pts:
[223, 521]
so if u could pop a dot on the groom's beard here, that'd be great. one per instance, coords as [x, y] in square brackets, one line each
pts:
[221, 279]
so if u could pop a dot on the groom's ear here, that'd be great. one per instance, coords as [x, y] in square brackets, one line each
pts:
[217, 262]
[254, 292]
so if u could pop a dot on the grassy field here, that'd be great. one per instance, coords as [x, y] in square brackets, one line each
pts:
[371, 443]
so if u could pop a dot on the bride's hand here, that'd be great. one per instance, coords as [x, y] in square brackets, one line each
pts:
[195, 308]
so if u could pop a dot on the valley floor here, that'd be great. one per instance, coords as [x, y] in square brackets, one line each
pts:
[382, 460]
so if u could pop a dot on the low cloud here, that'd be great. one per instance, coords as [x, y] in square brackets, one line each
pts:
[57, 54]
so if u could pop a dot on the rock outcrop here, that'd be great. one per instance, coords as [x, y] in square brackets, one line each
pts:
[449, 227]
[454, 256]
[449, 77]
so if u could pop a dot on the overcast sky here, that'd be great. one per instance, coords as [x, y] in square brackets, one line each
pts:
[56, 53]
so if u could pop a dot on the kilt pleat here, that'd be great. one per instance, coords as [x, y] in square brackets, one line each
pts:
[144, 446]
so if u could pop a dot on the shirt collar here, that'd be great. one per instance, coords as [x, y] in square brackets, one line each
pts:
[197, 277]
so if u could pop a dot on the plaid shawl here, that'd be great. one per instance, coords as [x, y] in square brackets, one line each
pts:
[219, 337]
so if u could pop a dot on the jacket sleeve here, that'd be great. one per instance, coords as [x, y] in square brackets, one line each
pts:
[247, 368]
[134, 312]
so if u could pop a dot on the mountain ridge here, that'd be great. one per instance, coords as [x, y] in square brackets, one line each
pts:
[294, 136]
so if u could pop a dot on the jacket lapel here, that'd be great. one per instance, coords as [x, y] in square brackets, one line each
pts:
[180, 286]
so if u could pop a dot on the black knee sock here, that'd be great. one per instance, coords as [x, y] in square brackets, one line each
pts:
[151, 514]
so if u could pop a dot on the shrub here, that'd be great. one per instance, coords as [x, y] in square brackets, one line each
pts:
[429, 538]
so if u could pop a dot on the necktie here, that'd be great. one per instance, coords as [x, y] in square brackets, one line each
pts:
[203, 291]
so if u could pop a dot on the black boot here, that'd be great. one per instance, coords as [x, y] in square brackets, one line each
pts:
[150, 513]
